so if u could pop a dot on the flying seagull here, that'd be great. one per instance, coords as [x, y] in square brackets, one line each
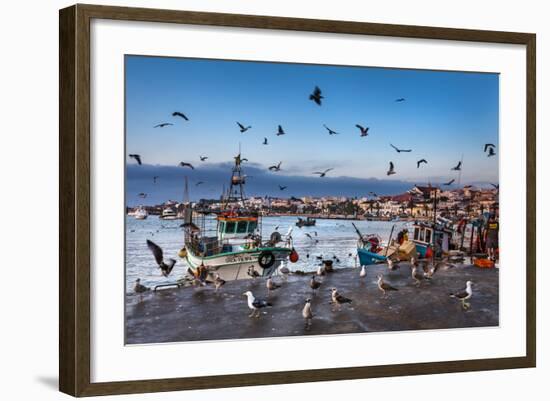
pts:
[307, 314]
[199, 183]
[391, 170]
[280, 131]
[142, 195]
[180, 114]
[316, 96]
[140, 288]
[282, 188]
[255, 304]
[338, 299]
[488, 145]
[496, 186]
[243, 129]
[276, 167]
[137, 158]
[458, 167]
[203, 158]
[323, 173]
[330, 132]
[155, 178]
[183, 164]
[162, 125]
[364, 130]
[464, 294]
[418, 163]
[166, 268]
[265, 141]
[449, 183]
[384, 287]
[401, 99]
[491, 152]
[400, 150]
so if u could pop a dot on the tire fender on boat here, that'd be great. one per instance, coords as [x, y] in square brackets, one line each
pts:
[266, 259]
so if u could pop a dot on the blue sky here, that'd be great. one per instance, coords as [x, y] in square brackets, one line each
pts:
[446, 116]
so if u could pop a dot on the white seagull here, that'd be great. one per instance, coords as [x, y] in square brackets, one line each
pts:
[464, 295]
[307, 313]
[255, 304]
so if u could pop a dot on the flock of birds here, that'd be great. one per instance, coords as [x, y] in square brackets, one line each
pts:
[317, 97]
[420, 271]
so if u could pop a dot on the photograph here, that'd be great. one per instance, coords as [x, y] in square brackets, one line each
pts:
[271, 199]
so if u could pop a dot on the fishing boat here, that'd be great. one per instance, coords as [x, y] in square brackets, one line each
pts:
[369, 248]
[307, 222]
[432, 238]
[229, 241]
[140, 213]
[168, 214]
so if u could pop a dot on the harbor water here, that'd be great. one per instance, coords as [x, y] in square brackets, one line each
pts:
[334, 239]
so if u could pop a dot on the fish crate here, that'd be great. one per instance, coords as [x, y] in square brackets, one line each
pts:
[484, 263]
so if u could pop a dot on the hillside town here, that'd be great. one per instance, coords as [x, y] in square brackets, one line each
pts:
[417, 203]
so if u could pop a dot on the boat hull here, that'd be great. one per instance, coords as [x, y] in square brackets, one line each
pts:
[235, 265]
[369, 258]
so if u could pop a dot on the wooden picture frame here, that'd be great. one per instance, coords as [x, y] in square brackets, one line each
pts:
[75, 208]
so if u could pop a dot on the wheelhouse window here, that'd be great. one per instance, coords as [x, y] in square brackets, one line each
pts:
[221, 226]
[416, 233]
[241, 227]
[428, 236]
[252, 225]
[230, 227]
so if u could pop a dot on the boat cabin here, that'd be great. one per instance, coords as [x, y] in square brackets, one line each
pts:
[236, 227]
[427, 236]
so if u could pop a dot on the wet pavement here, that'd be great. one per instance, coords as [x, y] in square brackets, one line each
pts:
[191, 314]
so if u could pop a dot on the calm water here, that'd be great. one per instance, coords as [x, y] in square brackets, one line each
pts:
[335, 237]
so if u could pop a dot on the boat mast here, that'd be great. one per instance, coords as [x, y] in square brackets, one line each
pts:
[236, 185]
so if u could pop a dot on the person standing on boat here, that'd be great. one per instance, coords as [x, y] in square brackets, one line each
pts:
[491, 237]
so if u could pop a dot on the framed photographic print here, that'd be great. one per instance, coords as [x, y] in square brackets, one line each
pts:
[239, 193]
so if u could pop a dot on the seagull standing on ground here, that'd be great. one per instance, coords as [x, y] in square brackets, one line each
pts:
[383, 286]
[140, 288]
[284, 271]
[363, 272]
[218, 281]
[255, 304]
[137, 158]
[316, 96]
[270, 285]
[252, 272]
[464, 294]
[417, 276]
[338, 299]
[166, 268]
[307, 313]
[314, 284]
